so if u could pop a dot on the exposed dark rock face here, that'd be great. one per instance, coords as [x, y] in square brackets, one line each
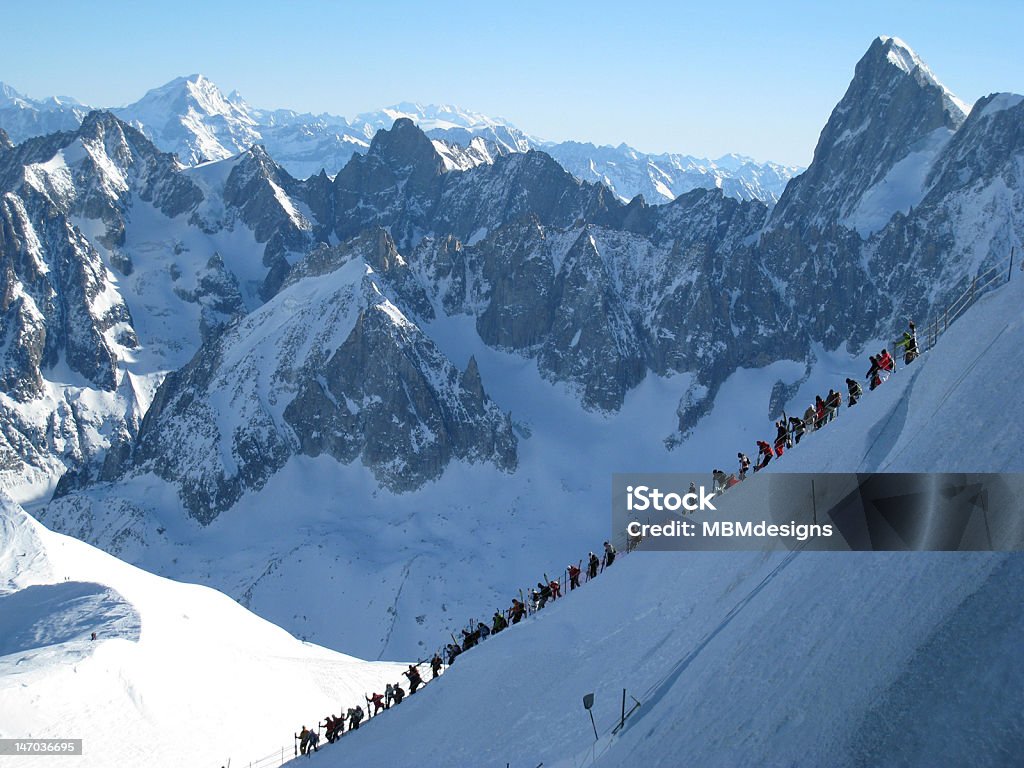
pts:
[329, 366]
[598, 292]
[892, 104]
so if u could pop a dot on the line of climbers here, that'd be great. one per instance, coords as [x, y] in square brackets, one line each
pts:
[334, 727]
[790, 429]
[546, 590]
[308, 739]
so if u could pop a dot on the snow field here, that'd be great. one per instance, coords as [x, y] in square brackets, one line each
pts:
[179, 674]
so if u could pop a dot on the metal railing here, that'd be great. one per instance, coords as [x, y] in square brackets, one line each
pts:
[1000, 272]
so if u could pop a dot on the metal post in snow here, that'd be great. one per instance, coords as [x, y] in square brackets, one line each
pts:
[622, 722]
[814, 503]
[1009, 272]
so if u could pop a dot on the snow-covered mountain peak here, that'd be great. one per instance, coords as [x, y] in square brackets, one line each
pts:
[236, 98]
[183, 94]
[896, 53]
[443, 116]
[23, 117]
[449, 123]
[900, 54]
[9, 97]
[895, 117]
[190, 116]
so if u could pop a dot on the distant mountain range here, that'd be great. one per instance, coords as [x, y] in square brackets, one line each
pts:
[193, 351]
[191, 117]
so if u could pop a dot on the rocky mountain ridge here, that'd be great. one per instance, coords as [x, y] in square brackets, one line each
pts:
[334, 378]
[599, 293]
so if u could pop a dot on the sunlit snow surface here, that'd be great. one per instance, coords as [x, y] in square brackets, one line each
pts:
[804, 659]
[179, 674]
[811, 659]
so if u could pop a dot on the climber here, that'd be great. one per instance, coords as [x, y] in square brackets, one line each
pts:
[574, 576]
[518, 610]
[744, 465]
[415, 681]
[796, 428]
[819, 412]
[453, 651]
[781, 434]
[909, 343]
[378, 702]
[885, 361]
[717, 481]
[809, 417]
[833, 403]
[498, 623]
[335, 728]
[609, 551]
[592, 565]
[764, 455]
[855, 391]
[543, 593]
[873, 376]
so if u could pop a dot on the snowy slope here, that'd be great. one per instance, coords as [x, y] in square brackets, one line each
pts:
[395, 556]
[179, 675]
[738, 659]
[955, 409]
[774, 659]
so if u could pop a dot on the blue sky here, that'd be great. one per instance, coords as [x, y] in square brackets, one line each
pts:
[705, 78]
